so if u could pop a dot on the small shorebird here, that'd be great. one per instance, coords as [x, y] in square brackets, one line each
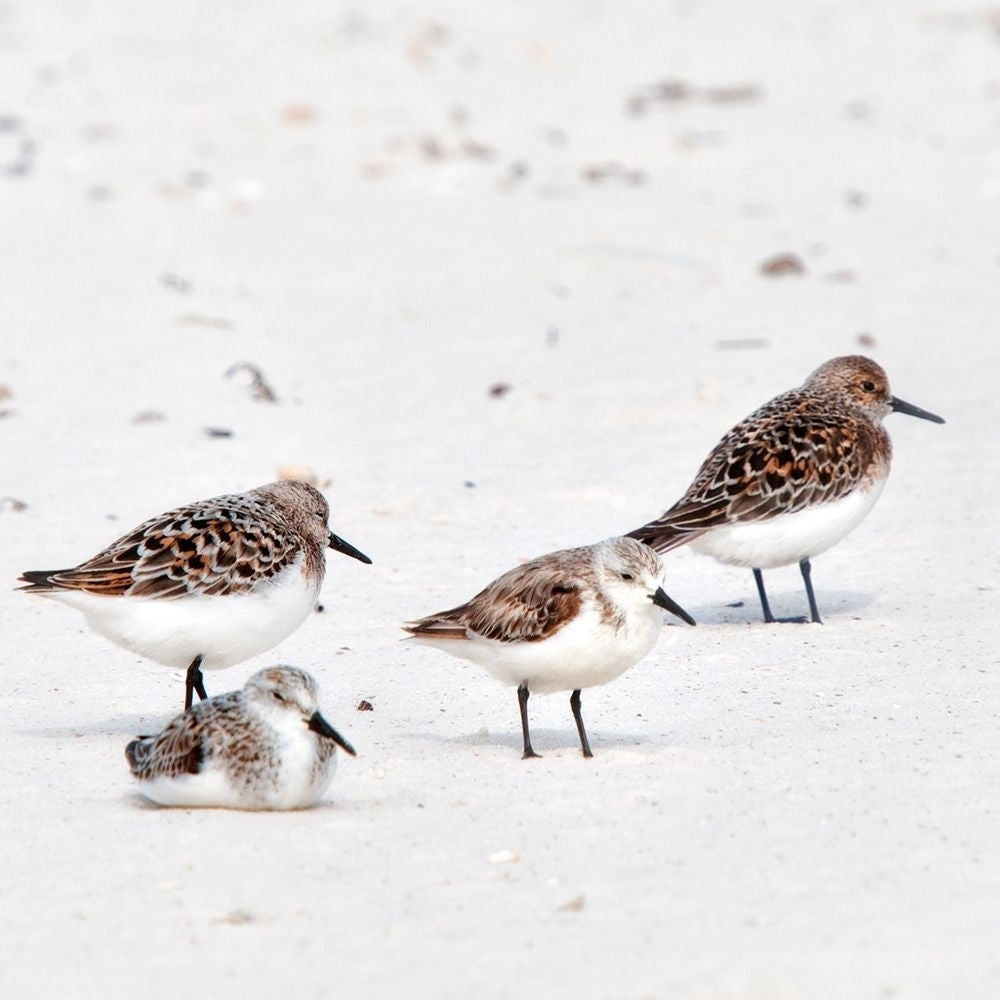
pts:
[568, 620]
[264, 747]
[793, 478]
[206, 585]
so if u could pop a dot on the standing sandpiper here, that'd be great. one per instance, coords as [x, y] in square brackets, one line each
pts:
[207, 585]
[793, 478]
[565, 621]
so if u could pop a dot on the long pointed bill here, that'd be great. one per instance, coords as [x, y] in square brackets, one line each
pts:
[901, 406]
[319, 725]
[661, 599]
[338, 543]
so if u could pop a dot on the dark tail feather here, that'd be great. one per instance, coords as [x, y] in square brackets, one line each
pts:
[662, 537]
[137, 752]
[435, 629]
[38, 579]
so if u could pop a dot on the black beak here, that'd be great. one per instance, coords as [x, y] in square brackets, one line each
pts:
[338, 543]
[901, 406]
[661, 599]
[319, 725]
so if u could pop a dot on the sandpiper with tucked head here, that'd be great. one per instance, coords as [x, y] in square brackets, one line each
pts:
[264, 747]
[565, 621]
[793, 478]
[206, 585]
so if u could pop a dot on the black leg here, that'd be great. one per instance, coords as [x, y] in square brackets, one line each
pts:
[522, 701]
[194, 682]
[806, 569]
[762, 594]
[769, 618]
[574, 703]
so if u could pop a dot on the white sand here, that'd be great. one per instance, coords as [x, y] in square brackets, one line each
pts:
[390, 209]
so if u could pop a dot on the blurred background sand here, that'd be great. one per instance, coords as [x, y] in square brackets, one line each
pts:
[510, 271]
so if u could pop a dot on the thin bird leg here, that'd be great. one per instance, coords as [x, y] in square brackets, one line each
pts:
[522, 700]
[806, 569]
[766, 607]
[194, 681]
[762, 594]
[574, 703]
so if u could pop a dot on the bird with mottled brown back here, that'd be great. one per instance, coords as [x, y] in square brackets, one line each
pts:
[562, 622]
[208, 584]
[793, 478]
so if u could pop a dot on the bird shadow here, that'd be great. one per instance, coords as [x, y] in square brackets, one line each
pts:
[127, 726]
[543, 740]
[139, 801]
[786, 604]
[331, 806]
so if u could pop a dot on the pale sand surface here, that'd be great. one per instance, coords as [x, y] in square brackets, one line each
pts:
[390, 209]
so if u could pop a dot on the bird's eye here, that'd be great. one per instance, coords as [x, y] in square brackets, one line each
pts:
[278, 696]
[627, 576]
[868, 386]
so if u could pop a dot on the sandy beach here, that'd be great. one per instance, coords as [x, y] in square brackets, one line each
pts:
[510, 272]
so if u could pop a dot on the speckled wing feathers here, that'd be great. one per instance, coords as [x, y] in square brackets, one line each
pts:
[527, 604]
[179, 749]
[214, 728]
[793, 452]
[221, 546]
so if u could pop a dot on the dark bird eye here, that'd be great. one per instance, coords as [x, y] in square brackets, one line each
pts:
[278, 696]
[627, 576]
[868, 386]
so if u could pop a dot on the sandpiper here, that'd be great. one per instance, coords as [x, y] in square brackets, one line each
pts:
[206, 585]
[563, 622]
[793, 478]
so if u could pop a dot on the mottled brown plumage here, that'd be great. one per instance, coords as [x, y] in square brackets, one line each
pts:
[526, 604]
[813, 446]
[263, 747]
[565, 621]
[225, 545]
[193, 739]
[808, 446]
[208, 584]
